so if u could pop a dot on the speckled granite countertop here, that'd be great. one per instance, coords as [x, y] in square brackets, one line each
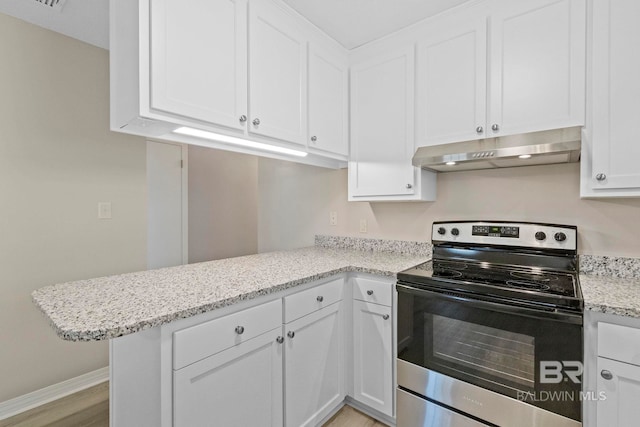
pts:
[109, 307]
[612, 295]
[611, 284]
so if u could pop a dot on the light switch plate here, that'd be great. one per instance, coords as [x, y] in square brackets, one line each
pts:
[104, 210]
[333, 218]
[363, 225]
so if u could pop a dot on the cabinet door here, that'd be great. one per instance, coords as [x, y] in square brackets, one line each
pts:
[372, 352]
[238, 387]
[537, 65]
[618, 396]
[328, 101]
[382, 113]
[198, 59]
[451, 80]
[615, 97]
[277, 74]
[314, 376]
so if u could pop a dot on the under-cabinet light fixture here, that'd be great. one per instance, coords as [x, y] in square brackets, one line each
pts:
[525, 156]
[450, 163]
[237, 141]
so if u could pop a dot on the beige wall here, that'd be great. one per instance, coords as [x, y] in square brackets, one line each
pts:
[295, 201]
[57, 161]
[222, 204]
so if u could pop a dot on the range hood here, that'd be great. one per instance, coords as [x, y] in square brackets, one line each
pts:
[535, 148]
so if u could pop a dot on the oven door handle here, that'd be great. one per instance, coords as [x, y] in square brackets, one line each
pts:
[494, 306]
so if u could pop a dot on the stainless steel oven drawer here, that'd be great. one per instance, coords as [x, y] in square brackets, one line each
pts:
[416, 412]
[473, 400]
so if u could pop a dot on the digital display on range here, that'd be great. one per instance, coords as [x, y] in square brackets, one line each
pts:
[495, 231]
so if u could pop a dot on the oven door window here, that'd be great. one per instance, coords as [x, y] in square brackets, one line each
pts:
[493, 349]
[482, 350]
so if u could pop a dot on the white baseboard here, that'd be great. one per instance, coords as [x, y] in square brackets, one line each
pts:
[37, 398]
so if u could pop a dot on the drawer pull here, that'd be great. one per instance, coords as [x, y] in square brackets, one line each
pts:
[607, 375]
[280, 340]
[369, 292]
[291, 334]
[385, 316]
[320, 298]
[239, 330]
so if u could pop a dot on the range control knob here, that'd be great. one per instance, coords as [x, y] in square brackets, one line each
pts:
[540, 235]
[455, 231]
[560, 237]
[441, 231]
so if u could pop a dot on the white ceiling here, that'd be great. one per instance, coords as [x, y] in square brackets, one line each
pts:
[350, 22]
[356, 22]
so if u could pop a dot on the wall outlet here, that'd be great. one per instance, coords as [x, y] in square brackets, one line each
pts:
[363, 225]
[333, 218]
[104, 210]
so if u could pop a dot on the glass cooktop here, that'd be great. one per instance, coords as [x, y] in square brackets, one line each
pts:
[523, 283]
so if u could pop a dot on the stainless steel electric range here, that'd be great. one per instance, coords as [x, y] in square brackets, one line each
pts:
[490, 330]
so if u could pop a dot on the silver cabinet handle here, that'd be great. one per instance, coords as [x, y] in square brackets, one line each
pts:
[320, 298]
[385, 316]
[409, 186]
[369, 292]
[479, 129]
[239, 330]
[607, 375]
[256, 122]
[280, 340]
[243, 118]
[601, 177]
[495, 127]
[314, 138]
[291, 334]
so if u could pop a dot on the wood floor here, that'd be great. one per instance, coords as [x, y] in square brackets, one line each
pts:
[90, 408]
[87, 408]
[349, 417]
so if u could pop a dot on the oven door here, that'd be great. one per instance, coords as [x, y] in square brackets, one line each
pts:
[527, 355]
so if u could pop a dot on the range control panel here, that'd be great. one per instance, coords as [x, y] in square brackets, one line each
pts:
[495, 231]
[546, 236]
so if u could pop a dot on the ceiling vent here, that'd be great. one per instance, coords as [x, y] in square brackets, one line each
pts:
[52, 4]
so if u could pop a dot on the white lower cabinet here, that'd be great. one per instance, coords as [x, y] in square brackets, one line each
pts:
[290, 361]
[238, 387]
[372, 356]
[618, 375]
[619, 384]
[314, 366]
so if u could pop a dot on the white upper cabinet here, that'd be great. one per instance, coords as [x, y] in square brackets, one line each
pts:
[537, 66]
[452, 80]
[328, 100]
[277, 73]
[236, 68]
[200, 72]
[501, 68]
[382, 136]
[611, 150]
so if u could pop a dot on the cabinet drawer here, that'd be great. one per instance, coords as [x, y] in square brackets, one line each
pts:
[620, 343]
[375, 291]
[305, 302]
[200, 341]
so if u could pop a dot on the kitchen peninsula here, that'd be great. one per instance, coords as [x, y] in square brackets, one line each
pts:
[172, 327]
[268, 318]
